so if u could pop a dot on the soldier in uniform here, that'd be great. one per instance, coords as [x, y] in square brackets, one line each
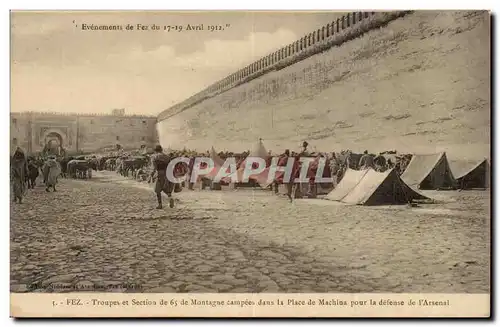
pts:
[160, 164]
[304, 151]
[366, 161]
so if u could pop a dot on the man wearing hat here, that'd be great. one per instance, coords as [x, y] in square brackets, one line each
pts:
[160, 164]
[366, 161]
[304, 151]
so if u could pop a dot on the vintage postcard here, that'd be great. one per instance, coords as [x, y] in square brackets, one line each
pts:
[250, 164]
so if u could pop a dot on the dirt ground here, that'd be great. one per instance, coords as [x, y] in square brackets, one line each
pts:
[441, 247]
[106, 232]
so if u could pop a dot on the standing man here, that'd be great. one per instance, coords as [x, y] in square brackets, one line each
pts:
[366, 161]
[282, 161]
[304, 152]
[51, 171]
[32, 173]
[160, 164]
[190, 172]
[19, 171]
[64, 166]
[292, 186]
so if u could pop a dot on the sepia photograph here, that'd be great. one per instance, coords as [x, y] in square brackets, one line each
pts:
[250, 163]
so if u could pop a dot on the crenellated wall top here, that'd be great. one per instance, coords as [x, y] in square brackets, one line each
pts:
[69, 114]
[335, 33]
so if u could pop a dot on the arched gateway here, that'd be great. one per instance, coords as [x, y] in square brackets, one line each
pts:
[54, 141]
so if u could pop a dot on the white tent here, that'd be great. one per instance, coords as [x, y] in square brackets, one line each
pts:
[369, 187]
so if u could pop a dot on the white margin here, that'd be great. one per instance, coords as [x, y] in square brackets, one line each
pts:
[205, 5]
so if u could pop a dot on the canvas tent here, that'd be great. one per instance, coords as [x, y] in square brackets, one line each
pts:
[218, 162]
[429, 172]
[259, 151]
[471, 173]
[369, 187]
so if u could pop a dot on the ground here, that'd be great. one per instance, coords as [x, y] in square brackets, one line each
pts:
[105, 235]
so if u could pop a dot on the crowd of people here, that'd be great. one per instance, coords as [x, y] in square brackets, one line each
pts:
[26, 169]
[150, 166]
[141, 167]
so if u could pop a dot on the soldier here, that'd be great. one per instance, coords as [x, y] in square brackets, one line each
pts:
[160, 164]
[304, 151]
[282, 161]
[366, 161]
[292, 185]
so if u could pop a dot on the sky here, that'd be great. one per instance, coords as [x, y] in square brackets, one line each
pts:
[58, 66]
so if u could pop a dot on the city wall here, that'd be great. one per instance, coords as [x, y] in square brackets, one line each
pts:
[80, 133]
[410, 81]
